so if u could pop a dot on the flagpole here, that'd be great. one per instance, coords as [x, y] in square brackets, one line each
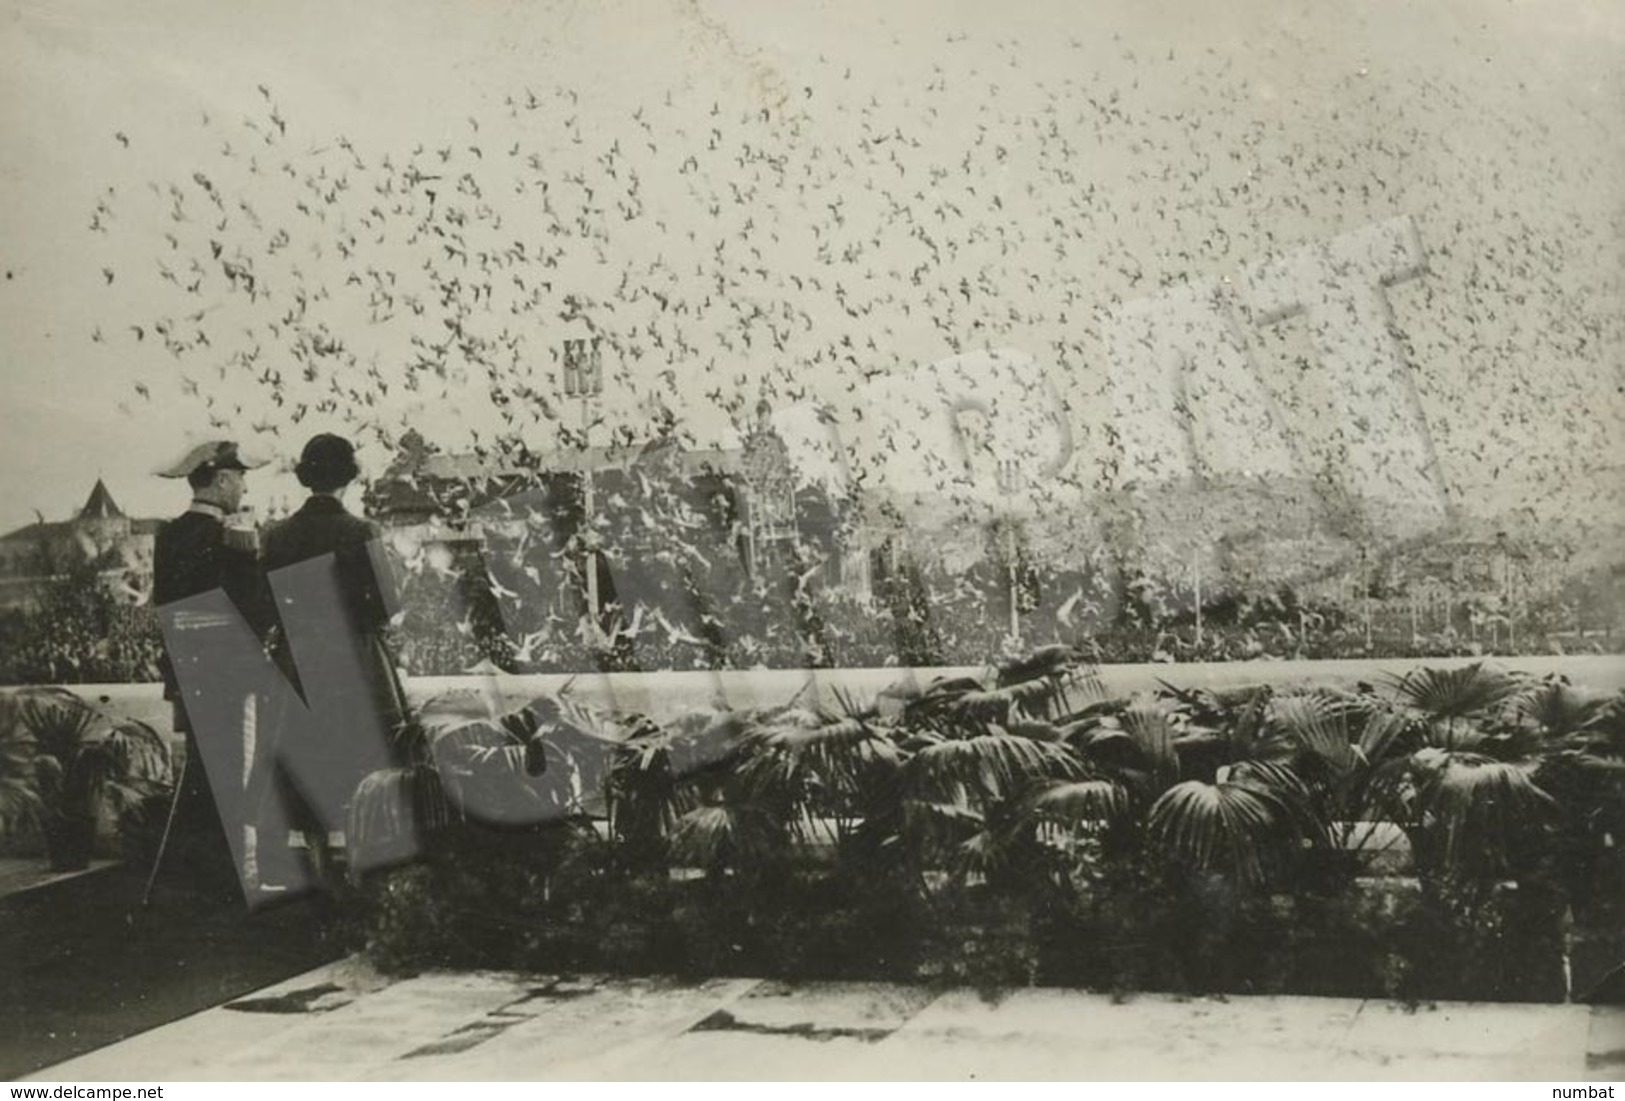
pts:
[1007, 477]
[584, 379]
[1196, 584]
[591, 559]
[1015, 621]
[1365, 583]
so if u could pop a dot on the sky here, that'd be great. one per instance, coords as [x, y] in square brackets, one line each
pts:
[265, 222]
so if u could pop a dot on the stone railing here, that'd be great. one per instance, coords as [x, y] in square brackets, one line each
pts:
[663, 695]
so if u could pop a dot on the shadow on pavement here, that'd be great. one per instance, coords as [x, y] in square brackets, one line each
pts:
[81, 968]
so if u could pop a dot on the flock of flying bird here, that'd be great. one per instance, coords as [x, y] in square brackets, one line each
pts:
[795, 248]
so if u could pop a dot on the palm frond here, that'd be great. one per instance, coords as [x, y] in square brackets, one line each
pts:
[393, 811]
[707, 740]
[983, 853]
[1385, 732]
[1317, 723]
[704, 837]
[1560, 709]
[1466, 692]
[452, 740]
[1036, 730]
[1234, 826]
[565, 713]
[141, 750]
[1151, 727]
[848, 705]
[73, 757]
[1482, 806]
[936, 826]
[1054, 660]
[1080, 803]
[644, 791]
[57, 721]
[718, 836]
[1299, 797]
[20, 803]
[842, 752]
[977, 708]
[1607, 727]
[1217, 707]
[994, 766]
[121, 768]
[957, 701]
[1043, 683]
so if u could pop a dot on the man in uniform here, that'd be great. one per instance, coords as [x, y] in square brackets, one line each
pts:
[209, 548]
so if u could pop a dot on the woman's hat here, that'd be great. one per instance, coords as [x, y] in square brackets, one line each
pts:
[326, 463]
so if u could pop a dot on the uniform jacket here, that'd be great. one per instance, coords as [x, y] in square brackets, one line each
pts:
[191, 556]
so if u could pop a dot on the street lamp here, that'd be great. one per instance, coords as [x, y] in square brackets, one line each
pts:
[584, 379]
[1506, 590]
[1196, 590]
[1365, 585]
[1008, 478]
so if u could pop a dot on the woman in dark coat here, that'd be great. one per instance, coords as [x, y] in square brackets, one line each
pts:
[350, 638]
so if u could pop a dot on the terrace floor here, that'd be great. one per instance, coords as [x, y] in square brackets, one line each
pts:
[84, 965]
[343, 1021]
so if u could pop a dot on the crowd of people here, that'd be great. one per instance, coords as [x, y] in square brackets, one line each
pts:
[79, 633]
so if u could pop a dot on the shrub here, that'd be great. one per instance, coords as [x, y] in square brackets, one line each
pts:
[1024, 826]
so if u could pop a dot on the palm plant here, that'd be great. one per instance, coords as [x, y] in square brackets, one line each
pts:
[69, 761]
[1439, 755]
[1037, 758]
[758, 787]
[826, 770]
[1459, 781]
[976, 751]
[1247, 818]
[20, 805]
[464, 759]
[1150, 835]
[916, 779]
[1207, 785]
[1580, 744]
[666, 793]
[1341, 745]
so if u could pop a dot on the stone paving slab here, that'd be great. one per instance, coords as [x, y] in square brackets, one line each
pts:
[1605, 1044]
[1502, 1041]
[870, 1011]
[376, 1028]
[25, 873]
[344, 1022]
[83, 965]
[624, 1022]
[192, 1048]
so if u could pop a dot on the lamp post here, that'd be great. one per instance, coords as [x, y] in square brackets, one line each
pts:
[1506, 589]
[584, 379]
[1365, 585]
[1008, 478]
[1015, 584]
[1196, 586]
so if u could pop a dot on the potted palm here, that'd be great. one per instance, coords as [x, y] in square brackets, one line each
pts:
[68, 762]
[19, 802]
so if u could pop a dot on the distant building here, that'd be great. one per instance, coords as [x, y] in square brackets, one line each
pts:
[99, 532]
[750, 497]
